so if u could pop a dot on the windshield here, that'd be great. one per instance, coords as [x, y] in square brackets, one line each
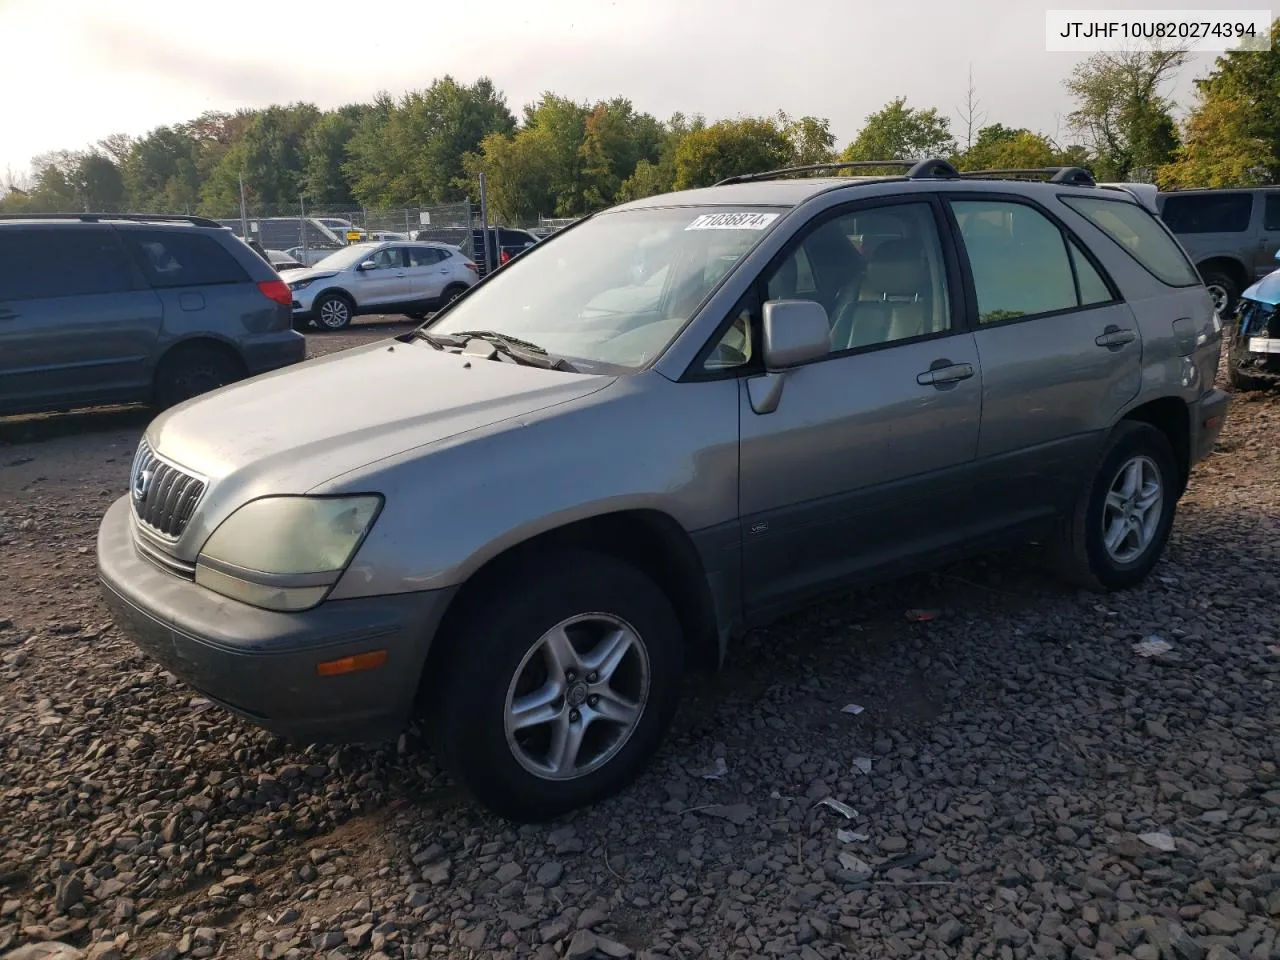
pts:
[346, 257]
[616, 289]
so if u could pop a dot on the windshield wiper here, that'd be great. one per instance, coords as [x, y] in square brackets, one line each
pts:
[522, 351]
[498, 339]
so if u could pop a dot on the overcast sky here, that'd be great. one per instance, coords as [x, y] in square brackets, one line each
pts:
[78, 70]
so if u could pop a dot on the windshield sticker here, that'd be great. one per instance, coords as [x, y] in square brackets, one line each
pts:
[732, 221]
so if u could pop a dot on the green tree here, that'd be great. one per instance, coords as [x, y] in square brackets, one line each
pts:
[98, 181]
[731, 148]
[519, 173]
[270, 156]
[811, 139]
[1232, 137]
[412, 151]
[1124, 120]
[324, 179]
[160, 173]
[615, 140]
[899, 132]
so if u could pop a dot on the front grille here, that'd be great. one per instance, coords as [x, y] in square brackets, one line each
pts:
[164, 496]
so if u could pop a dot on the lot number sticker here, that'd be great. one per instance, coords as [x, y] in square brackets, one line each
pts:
[732, 221]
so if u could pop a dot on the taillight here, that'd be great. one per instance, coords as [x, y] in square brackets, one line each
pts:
[474, 269]
[504, 258]
[278, 291]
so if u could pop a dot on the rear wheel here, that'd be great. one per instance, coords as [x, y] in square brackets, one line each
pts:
[1122, 520]
[452, 293]
[189, 370]
[558, 695]
[333, 311]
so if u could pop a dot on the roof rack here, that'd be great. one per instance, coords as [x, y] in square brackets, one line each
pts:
[931, 169]
[1074, 176]
[134, 217]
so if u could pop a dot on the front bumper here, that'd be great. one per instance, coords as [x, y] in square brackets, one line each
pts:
[261, 664]
[1208, 414]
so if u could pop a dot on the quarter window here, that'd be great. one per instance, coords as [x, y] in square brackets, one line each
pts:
[1208, 212]
[1022, 263]
[1140, 235]
[177, 258]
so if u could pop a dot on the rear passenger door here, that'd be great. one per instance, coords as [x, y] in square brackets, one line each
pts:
[427, 273]
[203, 288]
[1061, 353]
[77, 324]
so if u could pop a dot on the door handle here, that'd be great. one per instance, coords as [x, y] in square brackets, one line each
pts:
[951, 373]
[400, 274]
[1113, 336]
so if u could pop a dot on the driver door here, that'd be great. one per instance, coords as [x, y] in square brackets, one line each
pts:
[387, 283]
[864, 465]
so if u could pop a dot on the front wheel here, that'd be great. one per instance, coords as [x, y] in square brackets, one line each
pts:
[1122, 520]
[555, 691]
[333, 311]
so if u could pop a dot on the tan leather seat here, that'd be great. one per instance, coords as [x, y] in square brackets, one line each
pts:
[893, 303]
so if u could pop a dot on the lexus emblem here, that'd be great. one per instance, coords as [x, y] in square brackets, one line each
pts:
[141, 485]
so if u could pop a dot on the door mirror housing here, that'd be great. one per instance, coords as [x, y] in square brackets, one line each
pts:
[795, 332]
[368, 265]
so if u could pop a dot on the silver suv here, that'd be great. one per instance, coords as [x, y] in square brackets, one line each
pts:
[398, 277]
[663, 426]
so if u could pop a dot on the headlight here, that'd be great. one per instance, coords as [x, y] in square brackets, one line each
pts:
[285, 553]
[300, 284]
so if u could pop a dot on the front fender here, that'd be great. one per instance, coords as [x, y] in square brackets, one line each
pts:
[644, 443]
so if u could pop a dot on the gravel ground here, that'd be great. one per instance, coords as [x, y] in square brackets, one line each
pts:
[1020, 782]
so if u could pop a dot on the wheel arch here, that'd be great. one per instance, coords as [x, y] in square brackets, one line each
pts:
[648, 539]
[1171, 416]
[1231, 266]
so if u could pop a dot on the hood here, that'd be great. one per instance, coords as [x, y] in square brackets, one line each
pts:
[298, 427]
[310, 273]
[1266, 290]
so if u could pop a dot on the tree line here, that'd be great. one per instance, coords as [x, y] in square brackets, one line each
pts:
[565, 158]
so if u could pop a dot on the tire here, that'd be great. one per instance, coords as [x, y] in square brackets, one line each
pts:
[189, 370]
[1224, 290]
[452, 293]
[333, 311]
[1079, 549]
[496, 652]
[416, 316]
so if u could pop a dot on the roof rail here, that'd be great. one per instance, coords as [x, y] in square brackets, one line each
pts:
[133, 217]
[1074, 176]
[931, 169]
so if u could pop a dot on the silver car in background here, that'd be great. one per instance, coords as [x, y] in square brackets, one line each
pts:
[413, 278]
[664, 425]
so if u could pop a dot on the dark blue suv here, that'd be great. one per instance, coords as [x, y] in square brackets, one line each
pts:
[102, 309]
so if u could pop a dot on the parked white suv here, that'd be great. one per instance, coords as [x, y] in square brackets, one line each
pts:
[409, 278]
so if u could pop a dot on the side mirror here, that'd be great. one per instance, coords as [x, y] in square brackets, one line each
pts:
[795, 332]
[368, 265]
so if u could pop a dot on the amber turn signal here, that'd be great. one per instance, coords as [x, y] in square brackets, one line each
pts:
[361, 661]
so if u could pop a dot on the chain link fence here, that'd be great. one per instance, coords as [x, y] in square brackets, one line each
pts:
[309, 233]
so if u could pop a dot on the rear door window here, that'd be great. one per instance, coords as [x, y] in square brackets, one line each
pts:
[1140, 235]
[178, 258]
[1271, 213]
[424, 256]
[1227, 212]
[72, 261]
